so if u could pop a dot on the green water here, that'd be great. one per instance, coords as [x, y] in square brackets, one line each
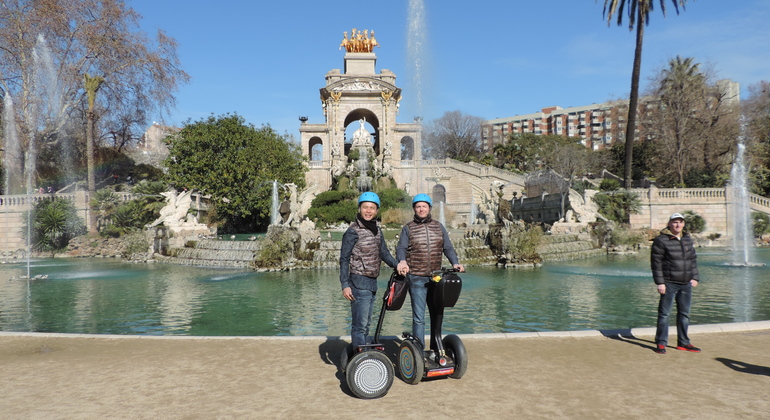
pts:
[98, 296]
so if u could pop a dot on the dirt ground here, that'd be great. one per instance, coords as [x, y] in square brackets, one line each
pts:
[96, 377]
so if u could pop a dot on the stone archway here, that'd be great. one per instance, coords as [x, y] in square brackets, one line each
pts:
[351, 124]
[439, 194]
[407, 148]
[316, 150]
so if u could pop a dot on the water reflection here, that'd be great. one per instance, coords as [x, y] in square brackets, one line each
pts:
[110, 297]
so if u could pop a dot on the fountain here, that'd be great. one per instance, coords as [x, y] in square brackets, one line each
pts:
[362, 142]
[743, 234]
[275, 205]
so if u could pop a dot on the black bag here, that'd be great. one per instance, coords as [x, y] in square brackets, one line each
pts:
[396, 293]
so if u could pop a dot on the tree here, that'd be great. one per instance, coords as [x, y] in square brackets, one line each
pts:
[638, 13]
[455, 135]
[48, 46]
[235, 163]
[756, 134]
[694, 125]
[529, 152]
[92, 85]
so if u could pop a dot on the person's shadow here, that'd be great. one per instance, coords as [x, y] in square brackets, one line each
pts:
[625, 335]
[744, 367]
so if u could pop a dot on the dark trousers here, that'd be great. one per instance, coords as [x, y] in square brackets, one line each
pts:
[682, 294]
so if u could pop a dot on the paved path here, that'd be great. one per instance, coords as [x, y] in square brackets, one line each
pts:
[583, 375]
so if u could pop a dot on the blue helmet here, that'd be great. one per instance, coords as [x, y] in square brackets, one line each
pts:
[422, 197]
[370, 197]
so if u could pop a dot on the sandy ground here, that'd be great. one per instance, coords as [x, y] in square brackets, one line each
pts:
[593, 377]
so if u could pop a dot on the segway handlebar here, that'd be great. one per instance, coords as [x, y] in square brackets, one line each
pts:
[445, 270]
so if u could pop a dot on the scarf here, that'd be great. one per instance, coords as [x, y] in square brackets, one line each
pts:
[369, 224]
[420, 220]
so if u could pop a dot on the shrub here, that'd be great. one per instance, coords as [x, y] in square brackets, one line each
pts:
[618, 205]
[524, 245]
[135, 243]
[693, 222]
[609, 184]
[54, 223]
[761, 223]
[626, 237]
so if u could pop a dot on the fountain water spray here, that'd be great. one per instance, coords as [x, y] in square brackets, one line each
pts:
[742, 231]
[415, 52]
[274, 207]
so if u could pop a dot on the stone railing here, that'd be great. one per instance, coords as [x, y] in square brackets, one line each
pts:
[760, 202]
[27, 200]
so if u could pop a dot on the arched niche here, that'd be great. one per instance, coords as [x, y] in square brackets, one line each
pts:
[372, 123]
[315, 149]
[407, 148]
[439, 194]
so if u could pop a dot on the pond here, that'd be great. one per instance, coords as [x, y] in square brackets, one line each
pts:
[101, 296]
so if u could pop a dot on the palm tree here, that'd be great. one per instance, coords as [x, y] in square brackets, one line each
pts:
[92, 84]
[638, 12]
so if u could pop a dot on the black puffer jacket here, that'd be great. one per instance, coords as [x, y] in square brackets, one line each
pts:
[673, 260]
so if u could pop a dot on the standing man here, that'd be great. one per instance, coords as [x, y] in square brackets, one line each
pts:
[363, 250]
[421, 247]
[675, 272]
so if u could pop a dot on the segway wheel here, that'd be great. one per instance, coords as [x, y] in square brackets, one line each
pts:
[411, 365]
[369, 374]
[456, 350]
[347, 353]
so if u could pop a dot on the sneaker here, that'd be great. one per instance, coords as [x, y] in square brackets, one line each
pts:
[688, 347]
[660, 349]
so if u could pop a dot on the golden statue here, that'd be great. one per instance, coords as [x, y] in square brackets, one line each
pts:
[359, 41]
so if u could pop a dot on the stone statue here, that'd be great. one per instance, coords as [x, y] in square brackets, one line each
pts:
[362, 137]
[174, 213]
[299, 203]
[335, 149]
[488, 201]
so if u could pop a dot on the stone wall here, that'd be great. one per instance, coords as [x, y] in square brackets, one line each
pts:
[715, 205]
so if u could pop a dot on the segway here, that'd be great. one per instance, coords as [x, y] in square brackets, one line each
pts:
[447, 356]
[368, 371]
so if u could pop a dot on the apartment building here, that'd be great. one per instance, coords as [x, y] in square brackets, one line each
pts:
[598, 125]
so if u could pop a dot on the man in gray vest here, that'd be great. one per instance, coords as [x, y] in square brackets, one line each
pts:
[421, 247]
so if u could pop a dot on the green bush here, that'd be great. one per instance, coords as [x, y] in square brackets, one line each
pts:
[618, 205]
[135, 243]
[761, 223]
[626, 237]
[693, 222]
[524, 245]
[609, 184]
[54, 222]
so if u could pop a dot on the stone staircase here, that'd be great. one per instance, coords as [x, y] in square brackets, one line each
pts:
[566, 247]
[213, 253]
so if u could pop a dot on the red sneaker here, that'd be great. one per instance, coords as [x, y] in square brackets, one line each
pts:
[660, 349]
[688, 347]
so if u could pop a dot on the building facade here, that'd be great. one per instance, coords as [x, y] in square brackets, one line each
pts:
[598, 125]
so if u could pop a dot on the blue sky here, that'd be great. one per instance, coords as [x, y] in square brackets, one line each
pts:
[266, 60]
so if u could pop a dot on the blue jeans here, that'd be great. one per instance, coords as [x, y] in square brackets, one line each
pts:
[418, 292]
[361, 315]
[682, 294]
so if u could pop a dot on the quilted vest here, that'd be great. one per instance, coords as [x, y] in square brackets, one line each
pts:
[365, 259]
[426, 247]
